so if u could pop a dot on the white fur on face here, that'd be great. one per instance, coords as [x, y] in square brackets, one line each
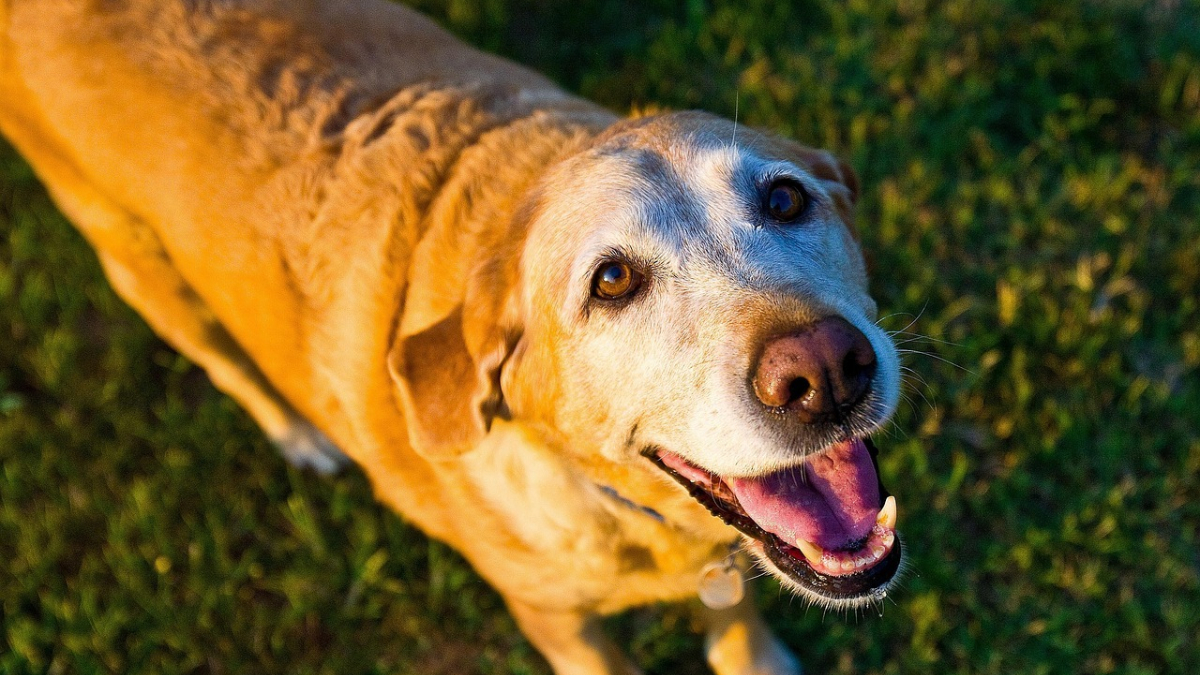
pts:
[672, 368]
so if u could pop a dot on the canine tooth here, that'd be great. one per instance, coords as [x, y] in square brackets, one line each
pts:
[811, 551]
[887, 515]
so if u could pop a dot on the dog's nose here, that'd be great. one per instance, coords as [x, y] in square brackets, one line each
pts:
[817, 373]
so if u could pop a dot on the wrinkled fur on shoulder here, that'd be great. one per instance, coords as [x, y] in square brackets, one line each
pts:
[353, 164]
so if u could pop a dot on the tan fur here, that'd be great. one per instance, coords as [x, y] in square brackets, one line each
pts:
[358, 227]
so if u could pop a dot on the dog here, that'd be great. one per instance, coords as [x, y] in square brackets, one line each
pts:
[597, 355]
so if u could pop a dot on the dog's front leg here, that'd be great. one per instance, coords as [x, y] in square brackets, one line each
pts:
[573, 642]
[738, 642]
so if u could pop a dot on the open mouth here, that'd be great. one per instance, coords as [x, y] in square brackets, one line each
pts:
[827, 525]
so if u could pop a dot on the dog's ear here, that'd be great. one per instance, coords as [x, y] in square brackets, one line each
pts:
[449, 392]
[460, 328]
[839, 178]
[462, 318]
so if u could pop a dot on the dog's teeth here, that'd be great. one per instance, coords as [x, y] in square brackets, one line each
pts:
[888, 539]
[811, 551]
[887, 515]
[877, 552]
[848, 564]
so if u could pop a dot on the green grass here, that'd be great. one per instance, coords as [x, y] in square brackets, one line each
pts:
[1031, 204]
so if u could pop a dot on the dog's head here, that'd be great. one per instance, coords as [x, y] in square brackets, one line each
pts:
[692, 300]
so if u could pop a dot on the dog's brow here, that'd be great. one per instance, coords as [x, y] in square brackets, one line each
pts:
[653, 167]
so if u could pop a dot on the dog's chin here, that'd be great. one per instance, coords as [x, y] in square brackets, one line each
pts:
[869, 587]
[833, 566]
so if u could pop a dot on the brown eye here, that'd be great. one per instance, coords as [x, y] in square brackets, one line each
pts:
[785, 200]
[615, 280]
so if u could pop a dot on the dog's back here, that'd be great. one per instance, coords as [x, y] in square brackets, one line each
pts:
[174, 116]
[255, 175]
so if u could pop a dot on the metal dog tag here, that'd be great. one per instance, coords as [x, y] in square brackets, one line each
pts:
[721, 584]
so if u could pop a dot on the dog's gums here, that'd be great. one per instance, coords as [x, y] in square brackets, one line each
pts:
[847, 573]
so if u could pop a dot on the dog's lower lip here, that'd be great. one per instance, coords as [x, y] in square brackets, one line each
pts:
[719, 500]
[861, 584]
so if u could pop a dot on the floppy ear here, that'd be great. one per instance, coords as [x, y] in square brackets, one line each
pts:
[462, 317]
[449, 395]
[461, 325]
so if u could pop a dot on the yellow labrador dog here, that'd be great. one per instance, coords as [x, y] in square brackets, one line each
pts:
[591, 353]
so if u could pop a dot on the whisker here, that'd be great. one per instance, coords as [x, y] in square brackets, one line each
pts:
[915, 319]
[914, 379]
[936, 357]
[737, 96]
[924, 398]
[917, 337]
[762, 573]
[914, 375]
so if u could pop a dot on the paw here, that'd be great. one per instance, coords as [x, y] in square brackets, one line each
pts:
[305, 447]
[767, 657]
[777, 659]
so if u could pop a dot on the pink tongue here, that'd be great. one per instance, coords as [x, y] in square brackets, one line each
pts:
[831, 500]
